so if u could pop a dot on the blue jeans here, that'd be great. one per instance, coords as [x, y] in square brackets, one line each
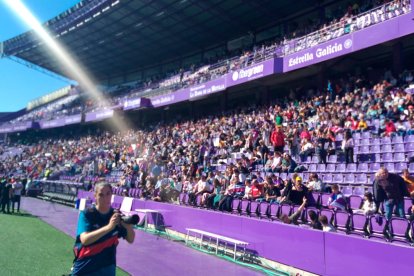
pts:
[389, 207]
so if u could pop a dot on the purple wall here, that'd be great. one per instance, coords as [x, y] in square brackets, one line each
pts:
[370, 36]
[307, 249]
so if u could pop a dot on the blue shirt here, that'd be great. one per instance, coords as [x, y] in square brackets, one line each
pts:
[100, 256]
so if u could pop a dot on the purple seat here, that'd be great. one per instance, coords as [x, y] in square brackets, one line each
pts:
[409, 147]
[349, 178]
[377, 227]
[327, 178]
[359, 191]
[339, 137]
[342, 221]
[374, 167]
[284, 176]
[328, 213]
[341, 168]
[363, 150]
[359, 224]
[331, 168]
[399, 157]
[285, 209]
[264, 209]
[321, 168]
[400, 166]
[314, 198]
[338, 178]
[366, 135]
[308, 160]
[245, 207]
[306, 177]
[375, 149]
[376, 141]
[385, 140]
[397, 140]
[399, 229]
[361, 179]
[409, 139]
[324, 200]
[386, 148]
[315, 159]
[365, 142]
[235, 206]
[357, 136]
[346, 190]
[312, 168]
[332, 159]
[254, 209]
[387, 157]
[355, 202]
[362, 167]
[399, 148]
[351, 167]
[274, 211]
[390, 167]
[301, 218]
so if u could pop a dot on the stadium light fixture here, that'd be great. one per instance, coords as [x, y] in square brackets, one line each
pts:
[71, 66]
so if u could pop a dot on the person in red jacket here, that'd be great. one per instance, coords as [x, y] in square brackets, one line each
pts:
[278, 139]
[389, 128]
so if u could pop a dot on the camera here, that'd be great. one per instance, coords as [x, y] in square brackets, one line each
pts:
[134, 219]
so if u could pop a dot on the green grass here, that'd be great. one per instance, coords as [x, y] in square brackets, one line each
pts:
[29, 246]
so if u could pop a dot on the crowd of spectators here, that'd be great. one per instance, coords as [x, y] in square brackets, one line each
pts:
[344, 20]
[222, 157]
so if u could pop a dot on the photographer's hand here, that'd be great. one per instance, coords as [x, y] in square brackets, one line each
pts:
[88, 238]
[114, 221]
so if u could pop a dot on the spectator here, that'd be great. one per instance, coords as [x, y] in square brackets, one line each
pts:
[368, 207]
[409, 181]
[390, 189]
[278, 139]
[314, 222]
[315, 184]
[326, 225]
[348, 147]
[337, 199]
[293, 219]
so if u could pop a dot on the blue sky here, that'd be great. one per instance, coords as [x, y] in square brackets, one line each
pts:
[19, 84]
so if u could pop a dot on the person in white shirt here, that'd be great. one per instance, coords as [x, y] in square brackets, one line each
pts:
[326, 226]
[277, 162]
[315, 184]
[17, 188]
[369, 207]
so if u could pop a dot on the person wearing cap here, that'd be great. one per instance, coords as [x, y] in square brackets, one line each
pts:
[294, 192]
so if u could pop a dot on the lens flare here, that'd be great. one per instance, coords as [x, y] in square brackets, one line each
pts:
[68, 63]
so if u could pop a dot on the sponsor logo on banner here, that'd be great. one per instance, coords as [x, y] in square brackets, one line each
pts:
[249, 73]
[163, 100]
[202, 90]
[320, 52]
[132, 103]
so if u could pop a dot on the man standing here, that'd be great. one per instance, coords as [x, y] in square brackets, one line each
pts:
[390, 189]
[6, 193]
[17, 187]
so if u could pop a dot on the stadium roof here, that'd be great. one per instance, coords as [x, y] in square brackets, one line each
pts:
[112, 38]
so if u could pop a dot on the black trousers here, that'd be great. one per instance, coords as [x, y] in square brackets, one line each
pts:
[5, 203]
[16, 199]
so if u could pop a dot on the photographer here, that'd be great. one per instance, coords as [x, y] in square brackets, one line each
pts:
[99, 228]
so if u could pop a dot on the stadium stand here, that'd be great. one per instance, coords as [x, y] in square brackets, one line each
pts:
[323, 137]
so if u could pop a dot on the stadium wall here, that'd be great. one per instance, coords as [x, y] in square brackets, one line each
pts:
[307, 249]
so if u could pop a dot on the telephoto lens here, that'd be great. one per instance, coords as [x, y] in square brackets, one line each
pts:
[134, 219]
